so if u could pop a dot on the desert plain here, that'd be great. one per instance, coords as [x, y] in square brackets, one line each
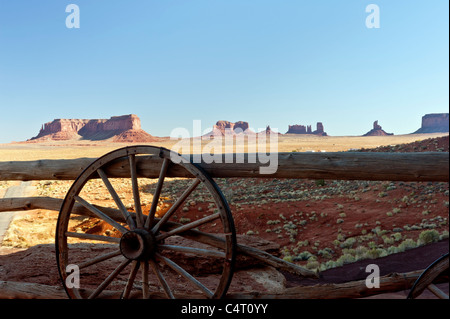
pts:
[26, 151]
[327, 226]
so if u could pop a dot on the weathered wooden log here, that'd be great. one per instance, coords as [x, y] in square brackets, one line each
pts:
[432, 166]
[354, 289]
[29, 203]
[349, 290]
[26, 290]
[49, 203]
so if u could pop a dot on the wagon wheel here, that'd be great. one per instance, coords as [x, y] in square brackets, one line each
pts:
[429, 277]
[156, 245]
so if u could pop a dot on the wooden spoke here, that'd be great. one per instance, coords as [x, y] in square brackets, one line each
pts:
[186, 227]
[437, 292]
[134, 270]
[175, 206]
[93, 237]
[100, 214]
[186, 275]
[196, 251]
[162, 175]
[145, 292]
[161, 279]
[136, 196]
[110, 278]
[99, 259]
[117, 199]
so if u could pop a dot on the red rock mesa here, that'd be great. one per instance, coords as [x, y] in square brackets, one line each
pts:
[125, 128]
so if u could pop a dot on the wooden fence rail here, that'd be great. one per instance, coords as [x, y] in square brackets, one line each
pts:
[432, 166]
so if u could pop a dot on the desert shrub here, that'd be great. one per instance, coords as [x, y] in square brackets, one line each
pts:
[326, 253]
[397, 236]
[303, 243]
[329, 264]
[320, 182]
[375, 253]
[428, 237]
[444, 235]
[407, 244]
[313, 264]
[392, 250]
[360, 250]
[304, 255]
[372, 245]
[348, 243]
[388, 240]
[346, 259]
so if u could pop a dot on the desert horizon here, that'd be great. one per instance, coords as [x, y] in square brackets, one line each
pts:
[20, 151]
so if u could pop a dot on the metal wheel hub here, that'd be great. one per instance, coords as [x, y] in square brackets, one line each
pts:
[138, 244]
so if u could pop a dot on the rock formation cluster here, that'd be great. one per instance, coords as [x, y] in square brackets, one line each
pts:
[127, 128]
[222, 128]
[301, 129]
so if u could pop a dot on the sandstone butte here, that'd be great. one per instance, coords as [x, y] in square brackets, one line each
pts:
[377, 131]
[434, 123]
[222, 128]
[125, 128]
[301, 129]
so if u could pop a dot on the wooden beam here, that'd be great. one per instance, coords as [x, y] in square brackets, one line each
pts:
[49, 203]
[349, 290]
[353, 289]
[26, 290]
[432, 166]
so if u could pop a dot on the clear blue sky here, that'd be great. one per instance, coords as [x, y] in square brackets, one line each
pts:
[268, 62]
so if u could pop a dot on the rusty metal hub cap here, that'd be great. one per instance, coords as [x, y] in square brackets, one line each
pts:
[138, 244]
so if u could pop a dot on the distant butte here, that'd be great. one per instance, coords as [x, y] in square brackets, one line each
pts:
[434, 123]
[377, 131]
[125, 128]
[240, 128]
[222, 128]
[301, 129]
